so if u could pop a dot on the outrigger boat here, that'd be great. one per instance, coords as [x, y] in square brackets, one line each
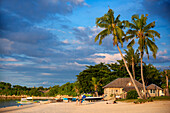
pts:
[25, 101]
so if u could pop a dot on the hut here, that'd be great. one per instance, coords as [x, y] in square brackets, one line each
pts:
[120, 86]
[154, 90]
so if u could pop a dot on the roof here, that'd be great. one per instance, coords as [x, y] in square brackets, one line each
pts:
[122, 83]
[153, 86]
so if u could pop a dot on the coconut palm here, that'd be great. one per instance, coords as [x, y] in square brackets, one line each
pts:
[146, 37]
[95, 84]
[113, 26]
[132, 58]
[166, 74]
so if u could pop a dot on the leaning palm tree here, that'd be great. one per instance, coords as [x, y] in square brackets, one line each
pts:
[132, 58]
[114, 27]
[146, 37]
[166, 74]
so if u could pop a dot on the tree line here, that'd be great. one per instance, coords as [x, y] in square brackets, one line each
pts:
[91, 80]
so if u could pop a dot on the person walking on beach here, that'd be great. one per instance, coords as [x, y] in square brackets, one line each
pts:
[80, 100]
[77, 100]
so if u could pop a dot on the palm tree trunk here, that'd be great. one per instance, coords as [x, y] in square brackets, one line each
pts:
[167, 89]
[129, 72]
[96, 90]
[133, 68]
[143, 82]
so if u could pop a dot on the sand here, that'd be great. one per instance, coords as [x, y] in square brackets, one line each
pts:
[94, 107]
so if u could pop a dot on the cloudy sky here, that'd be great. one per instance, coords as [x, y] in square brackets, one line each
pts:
[48, 42]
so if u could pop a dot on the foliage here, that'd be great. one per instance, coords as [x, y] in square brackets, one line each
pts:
[111, 95]
[130, 53]
[100, 72]
[142, 31]
[161, 98]
[132, 94]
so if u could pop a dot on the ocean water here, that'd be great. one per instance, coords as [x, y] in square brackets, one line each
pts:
[7, 103]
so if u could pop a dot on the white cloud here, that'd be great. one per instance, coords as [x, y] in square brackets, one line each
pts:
[77, 42]
[61, 31]
[163, 43]
[6, 44]
[105, 58]
[46, 74]
[13, 64]
[48, 67]
[162, 52]
[8, 59]
[81, 28]
[65, 41]
[76, 64]
[45, 82]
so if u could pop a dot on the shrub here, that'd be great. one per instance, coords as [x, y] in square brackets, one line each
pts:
[132, 94]
[111, 95]
[150, 99]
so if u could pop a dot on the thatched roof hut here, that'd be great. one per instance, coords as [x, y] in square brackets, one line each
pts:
[122, 83]
[153, 87]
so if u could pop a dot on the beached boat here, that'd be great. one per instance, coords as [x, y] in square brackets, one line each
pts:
[45, 102]
[25, 102]
[93, 98]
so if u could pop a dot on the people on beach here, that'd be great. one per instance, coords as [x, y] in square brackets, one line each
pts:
[77, 100]
[80, 100]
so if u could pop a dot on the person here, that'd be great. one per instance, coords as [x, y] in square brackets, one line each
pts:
[77, 100]
[80, 100]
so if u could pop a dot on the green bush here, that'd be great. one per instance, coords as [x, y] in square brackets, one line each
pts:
[150, 99]
[132, 94]
[111, 95]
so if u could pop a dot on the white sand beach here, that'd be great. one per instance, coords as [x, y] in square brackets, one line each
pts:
[94, 107]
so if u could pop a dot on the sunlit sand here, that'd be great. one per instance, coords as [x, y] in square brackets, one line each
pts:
[93, 107]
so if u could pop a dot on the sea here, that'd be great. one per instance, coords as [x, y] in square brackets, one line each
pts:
[8, 102]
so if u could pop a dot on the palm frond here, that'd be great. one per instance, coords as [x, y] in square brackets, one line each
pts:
[155, 33]
[129, 37]
[101, 35]
[150, 35]
[133, 32]
[136, 16]
[149, 26]
[146, 50]
[117, 19]
[152, 46]
[131, 43]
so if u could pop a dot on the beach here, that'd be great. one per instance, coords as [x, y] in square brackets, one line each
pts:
[93, 107]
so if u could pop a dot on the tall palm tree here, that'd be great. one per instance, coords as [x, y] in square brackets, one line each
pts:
[146, 37]
[166, 74]
[114, 27]
[95, 84]
[132, 58]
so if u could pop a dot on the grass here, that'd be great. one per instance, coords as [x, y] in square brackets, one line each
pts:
[161, 98]
[127, 100]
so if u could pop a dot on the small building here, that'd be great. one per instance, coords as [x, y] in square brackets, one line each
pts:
[155, 90]
[120, 86]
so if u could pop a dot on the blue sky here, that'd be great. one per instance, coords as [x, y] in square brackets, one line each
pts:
[48, 42]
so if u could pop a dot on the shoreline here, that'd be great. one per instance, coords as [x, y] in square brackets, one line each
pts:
[93, 107]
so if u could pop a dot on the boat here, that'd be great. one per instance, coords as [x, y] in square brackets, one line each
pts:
[25, 102]
[45, 102]
[93, 98]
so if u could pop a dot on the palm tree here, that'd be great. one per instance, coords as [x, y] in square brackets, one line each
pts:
[146, 37]
[166, 73]
[132, 58]
[114, 27]
[95, 84]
